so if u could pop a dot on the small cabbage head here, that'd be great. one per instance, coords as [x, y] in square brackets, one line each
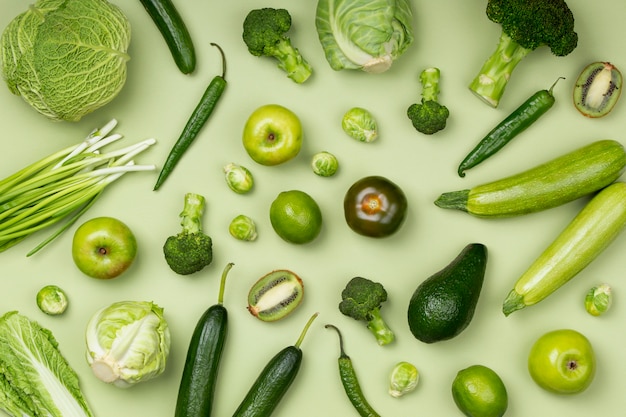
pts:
[66, 58]
[128, 342]
[364, 34]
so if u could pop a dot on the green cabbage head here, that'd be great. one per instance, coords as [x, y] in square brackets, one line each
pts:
[66, 58]
[364, 34]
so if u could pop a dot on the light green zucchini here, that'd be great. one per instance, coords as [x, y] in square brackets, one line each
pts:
[587, 235]
[556, 182]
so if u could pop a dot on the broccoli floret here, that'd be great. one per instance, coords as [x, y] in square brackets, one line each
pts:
[429, 116]
[526, 25]
[190, 250]
[264, 32]
[362, 300]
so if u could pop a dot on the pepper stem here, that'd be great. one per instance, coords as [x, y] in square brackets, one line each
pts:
[220, 296]
[306, 327]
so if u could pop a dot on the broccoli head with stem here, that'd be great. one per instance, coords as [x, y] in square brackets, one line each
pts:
[264, 32]
[526, 25]
[429, 116]
[361, 300]
[190, 250]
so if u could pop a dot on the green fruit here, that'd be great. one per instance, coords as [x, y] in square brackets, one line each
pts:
[296, 217]
[443, 305]
[479, 392]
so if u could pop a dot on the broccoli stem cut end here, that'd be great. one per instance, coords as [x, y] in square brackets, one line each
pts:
[490, 82]
[292, 62]
[384, 335]
[193, 210]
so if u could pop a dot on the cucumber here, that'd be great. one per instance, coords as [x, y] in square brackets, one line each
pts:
[173, 29]
[197, 385]
[273, 381]
[587, 235]
[559, 181]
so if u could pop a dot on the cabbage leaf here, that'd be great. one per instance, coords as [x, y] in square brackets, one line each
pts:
[364, 34]
[35, 379]
[66, 58]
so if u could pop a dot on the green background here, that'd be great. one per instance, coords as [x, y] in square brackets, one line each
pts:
[156, 102]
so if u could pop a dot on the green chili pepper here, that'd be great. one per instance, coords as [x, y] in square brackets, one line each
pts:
[198, 118]
[514, 124]
[351, 383]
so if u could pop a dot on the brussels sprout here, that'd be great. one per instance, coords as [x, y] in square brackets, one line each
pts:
[403, 379]
[128, 342]
[324, 164]
[238, 178]
[52, 300]
[243, 227]
[599, 299]
[359, 124]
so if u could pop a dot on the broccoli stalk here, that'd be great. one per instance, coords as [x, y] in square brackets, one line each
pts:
[264, 32]
[429, 116]
[190, 250]
[526, 25]
[361, 300]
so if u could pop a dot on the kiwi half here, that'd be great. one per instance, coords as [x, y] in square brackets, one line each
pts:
[597, 89]
[275, 295]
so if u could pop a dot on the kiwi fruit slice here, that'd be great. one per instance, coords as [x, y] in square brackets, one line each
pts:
[597, 89]
[275, 295]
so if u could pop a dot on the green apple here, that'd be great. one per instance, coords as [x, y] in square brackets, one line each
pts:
[272, 135]
[103, 247]
[562, 361]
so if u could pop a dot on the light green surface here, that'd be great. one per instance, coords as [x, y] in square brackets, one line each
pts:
[156, 102]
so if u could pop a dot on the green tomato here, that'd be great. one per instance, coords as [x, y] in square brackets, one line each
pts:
[562, 361]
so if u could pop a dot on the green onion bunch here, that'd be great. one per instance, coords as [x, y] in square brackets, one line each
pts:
[63, 186]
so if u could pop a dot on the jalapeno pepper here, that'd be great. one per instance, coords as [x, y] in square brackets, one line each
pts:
[514, 124]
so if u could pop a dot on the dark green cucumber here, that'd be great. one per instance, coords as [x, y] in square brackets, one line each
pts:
[174, 31]
[559, 181]
[273, 381]
[197, 385]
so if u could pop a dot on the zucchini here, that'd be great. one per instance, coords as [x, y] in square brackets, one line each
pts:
[559, 181]
[197, 385]
[173, 29]
[587, 235]
[274, 380]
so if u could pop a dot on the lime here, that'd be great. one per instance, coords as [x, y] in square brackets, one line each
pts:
[479, 392]
[296, 217]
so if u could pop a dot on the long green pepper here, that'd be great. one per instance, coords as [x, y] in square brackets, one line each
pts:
[350, 381]
[514, 124]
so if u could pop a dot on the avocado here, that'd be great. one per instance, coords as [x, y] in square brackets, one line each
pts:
[443, 305]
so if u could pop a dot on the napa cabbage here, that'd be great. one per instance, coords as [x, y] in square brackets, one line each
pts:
[35, 379]
[66, 58]
[366, 35]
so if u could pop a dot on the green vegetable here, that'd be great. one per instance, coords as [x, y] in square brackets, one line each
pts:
[173, 29]
[403, 379]
[561, 180]
[429, 116]
[584, 238]
[324, 164]
[52, 300]
[360, 124]
[128, 342]
[36, 379]
[514, 124]
[238, 178]
[191, 249]
[526, 25]
[443, 305]
[197, 385]
[196, 121]
[265, 34]
[366, 35]
[274, 380]
[243, 227]
[66, 58]
[361, 300]
[599, 299]
[62, 186]
[350, 382]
